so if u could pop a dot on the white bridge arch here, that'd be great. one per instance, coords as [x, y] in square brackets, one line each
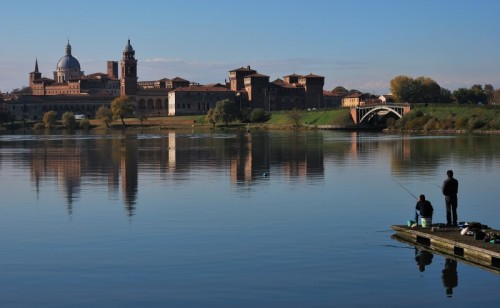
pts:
[362, 114]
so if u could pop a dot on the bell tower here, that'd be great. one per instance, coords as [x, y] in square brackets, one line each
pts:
[128, 80]
[35, 74]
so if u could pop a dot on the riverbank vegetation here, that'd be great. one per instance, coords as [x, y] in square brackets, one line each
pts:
[453, 117]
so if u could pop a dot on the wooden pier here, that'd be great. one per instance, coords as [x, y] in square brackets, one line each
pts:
[450, 242]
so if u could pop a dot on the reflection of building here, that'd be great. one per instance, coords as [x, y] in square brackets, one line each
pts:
[129, 170]
[256, 154]
[61, 164]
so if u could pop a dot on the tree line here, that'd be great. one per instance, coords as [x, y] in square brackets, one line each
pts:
[425, 90]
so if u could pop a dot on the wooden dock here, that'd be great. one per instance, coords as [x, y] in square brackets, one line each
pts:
[449, 241]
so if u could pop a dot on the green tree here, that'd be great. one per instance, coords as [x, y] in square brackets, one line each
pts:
[445, 96]
[49, 118]
[295, 116]
[105, 115]
[68, 120]
[121, 107]
[339, 90]
[428, 91]
[4, 115]
[258, 115]
[461, 96]
[478, 95]
[226, 111]
[488, 91]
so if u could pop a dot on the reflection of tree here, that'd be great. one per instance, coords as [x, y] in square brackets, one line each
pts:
[423, 258]
[450, 276]
[415, 152]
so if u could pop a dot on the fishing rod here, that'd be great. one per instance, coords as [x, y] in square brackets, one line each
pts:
[401, 185]
[406, 189]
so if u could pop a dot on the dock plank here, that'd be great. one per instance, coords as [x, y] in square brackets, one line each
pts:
[450, 241]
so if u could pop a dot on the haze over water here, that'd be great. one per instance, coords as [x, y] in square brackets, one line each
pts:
[231, 219]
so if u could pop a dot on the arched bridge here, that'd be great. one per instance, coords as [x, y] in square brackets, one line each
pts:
[363, 114]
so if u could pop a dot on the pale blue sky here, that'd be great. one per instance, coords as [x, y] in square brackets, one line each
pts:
[356, 44]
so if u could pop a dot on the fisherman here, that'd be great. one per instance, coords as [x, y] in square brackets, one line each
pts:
[424, 207]
[450, 190]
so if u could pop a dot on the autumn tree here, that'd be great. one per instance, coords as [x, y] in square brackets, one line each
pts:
[210, 117]
[495, 98]
[419, 90]
[402, 88]
[68, 120]
[49, 118]
[105, 115]
[122, 107]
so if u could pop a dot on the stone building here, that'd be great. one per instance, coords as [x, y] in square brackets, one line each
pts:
[197, 99]
[69, 79]
[294, 91]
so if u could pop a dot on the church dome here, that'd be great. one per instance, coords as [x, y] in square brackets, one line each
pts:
[68, 62]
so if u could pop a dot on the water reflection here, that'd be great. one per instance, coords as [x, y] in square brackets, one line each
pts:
[450, 276]
[118, 160]
[423, 258]
[74, 161]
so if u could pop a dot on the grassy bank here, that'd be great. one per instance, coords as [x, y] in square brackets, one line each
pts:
[454, 117]
[422, 118]
[337, 117]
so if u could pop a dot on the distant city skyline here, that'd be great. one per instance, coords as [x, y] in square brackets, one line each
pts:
[355, 44]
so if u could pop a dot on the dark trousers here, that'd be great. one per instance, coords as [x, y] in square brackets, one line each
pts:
[451, 209]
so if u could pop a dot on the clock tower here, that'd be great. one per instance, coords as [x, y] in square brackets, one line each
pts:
[128, 80]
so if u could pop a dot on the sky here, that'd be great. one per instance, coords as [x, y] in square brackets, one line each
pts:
[357, 44]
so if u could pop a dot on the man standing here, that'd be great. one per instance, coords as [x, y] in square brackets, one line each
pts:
[450, 190]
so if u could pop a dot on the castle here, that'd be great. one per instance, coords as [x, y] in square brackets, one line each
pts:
[72, 90]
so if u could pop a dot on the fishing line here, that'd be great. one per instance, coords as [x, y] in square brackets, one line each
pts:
[405, 189]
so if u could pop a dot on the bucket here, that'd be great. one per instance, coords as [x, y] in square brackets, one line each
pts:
[410, 222]
[426, 222]
[479, 235]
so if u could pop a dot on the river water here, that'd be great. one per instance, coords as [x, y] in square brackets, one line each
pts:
[236, 219]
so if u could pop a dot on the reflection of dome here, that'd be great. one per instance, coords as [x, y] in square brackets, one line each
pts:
[68, 62]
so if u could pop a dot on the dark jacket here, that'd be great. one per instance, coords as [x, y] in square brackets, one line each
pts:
[450, 187]
[425, 208]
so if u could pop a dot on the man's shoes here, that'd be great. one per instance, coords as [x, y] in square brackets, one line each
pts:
[455, 224]
[448, 225]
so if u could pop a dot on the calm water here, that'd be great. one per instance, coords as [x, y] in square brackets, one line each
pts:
[230, 219]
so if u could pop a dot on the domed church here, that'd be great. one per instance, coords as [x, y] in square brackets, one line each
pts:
[68, 67]
[69, 79]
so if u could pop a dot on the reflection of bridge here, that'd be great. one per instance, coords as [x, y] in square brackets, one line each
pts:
[363, 114]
